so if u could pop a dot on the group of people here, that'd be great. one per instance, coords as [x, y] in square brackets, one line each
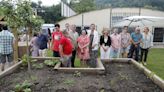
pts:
[68, 44]
[126, 45]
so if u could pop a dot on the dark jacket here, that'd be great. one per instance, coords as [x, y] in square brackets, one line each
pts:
[42, 41]
[108, 43]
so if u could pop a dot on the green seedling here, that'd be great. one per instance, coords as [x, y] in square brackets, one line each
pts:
[77, 74]
[24, 87]
[69, 82]
[38, 66]
[123, 77]
[24, 60]
[50, 62]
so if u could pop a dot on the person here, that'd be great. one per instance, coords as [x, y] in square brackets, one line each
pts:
[34, 45]
[115, 44]
[67, 27]
[93, 46]
[42, 41]
[125, 42]
[49, 37]
[83, 47]
[147, 43]
[56, 37]
[73, 36]
[25, 37]
[105, 42]
[65, 49]
[6, 47]
[136, 38]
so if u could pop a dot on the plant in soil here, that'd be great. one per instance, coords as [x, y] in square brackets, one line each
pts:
[25, 60]
[51, 63]
[38, 66]
[24, 87]
[123, 77]
[77, 74]
[69, 82]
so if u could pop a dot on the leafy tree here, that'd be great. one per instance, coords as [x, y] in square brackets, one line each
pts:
[152, 4]
[81, 6]
[20, 15]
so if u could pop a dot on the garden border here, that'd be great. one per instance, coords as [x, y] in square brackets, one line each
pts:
[10, 69]
[156, 79]
[98, 70]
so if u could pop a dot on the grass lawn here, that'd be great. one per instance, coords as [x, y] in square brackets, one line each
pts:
[155, 61]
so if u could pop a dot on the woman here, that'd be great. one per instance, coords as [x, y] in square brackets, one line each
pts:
[105, 43]
[147, 43]
[83, 47]
[125, 42]
[34, 45]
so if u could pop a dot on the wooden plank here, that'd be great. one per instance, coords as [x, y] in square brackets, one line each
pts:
[10, 69]
[156, 79]
[46, 58]
[117, 60]
[100, 69]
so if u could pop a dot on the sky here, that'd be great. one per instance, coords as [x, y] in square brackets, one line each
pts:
[48, 2]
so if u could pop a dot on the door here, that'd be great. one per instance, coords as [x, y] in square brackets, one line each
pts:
[158, 35]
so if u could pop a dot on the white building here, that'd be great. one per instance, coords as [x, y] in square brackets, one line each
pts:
[108, 18]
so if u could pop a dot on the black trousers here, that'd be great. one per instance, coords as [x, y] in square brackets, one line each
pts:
[132, 50]
[144, 52]
[73, 58]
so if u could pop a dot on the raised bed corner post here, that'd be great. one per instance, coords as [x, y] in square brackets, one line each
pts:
[15, 47]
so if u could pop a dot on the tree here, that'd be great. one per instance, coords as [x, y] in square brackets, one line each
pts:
[81, 6]
[20, 15]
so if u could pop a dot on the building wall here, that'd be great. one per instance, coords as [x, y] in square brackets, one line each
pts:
[102, 17]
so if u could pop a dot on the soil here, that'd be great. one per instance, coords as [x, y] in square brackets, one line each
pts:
[119, 77]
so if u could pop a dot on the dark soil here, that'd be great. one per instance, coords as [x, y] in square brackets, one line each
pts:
[118, 78]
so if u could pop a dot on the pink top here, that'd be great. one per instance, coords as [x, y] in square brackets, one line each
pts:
[116, 41]
[83, 53]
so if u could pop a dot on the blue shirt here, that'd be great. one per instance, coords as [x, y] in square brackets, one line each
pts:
[6, 42]
[136, 36]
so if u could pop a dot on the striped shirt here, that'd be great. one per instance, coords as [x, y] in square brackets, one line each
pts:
[147, 41]
[6, 42]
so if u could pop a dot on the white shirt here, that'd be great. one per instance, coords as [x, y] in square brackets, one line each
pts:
[95, 39]
[147, 41]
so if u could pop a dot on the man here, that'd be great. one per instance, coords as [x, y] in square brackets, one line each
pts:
[65, 49]
[42, 40]
[115, 44]
[136, 39]
[56, 37]
[94, 45]
[6, 47]
[73, 36]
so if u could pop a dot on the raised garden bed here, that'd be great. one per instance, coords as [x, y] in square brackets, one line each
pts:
[98, 70]
[122, 76]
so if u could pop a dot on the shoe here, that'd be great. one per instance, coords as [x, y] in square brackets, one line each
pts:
[145, 63]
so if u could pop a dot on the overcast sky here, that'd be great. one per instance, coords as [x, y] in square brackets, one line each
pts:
[48, 2]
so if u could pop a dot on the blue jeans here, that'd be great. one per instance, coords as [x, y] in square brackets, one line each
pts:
[134, 49]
